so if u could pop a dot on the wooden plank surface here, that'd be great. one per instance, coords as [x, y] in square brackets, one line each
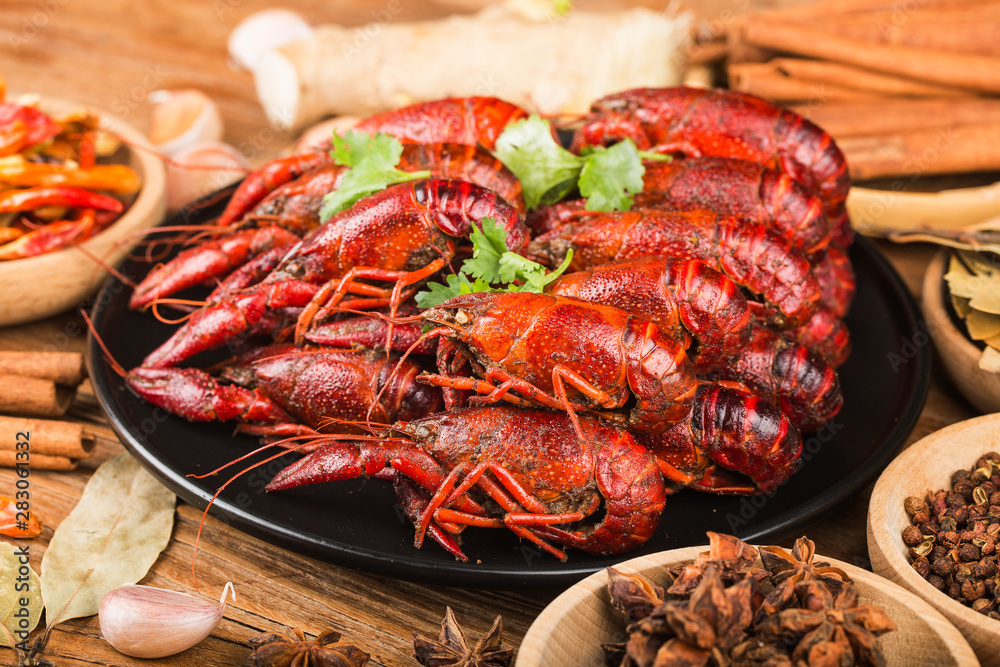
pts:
[112, 53]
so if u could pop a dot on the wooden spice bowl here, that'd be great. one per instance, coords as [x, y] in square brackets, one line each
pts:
[925, 466]
[959, 355]
[572, 628]
[38, 287]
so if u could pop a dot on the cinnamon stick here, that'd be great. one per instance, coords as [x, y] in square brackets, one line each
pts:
[45, 436]
[842, 119]
[706, 52]
[971, 28]
[8, 459]
[849, 76]
[820, 11]
[766, 80]
[957, 149]
[60, 367]
[964, 70]
[34, 396]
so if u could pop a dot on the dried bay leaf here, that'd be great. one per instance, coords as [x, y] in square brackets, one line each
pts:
[987, 299]
[990, 360]
[983, 325]
[112, 537]
[18, 591]
[961, 281]
[961, 305]
[978, 263]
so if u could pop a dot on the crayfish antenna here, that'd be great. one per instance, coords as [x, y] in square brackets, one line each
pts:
[115, 366]
[204, 515]
[427, 335]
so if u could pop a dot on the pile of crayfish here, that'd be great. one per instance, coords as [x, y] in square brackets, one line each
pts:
[693, 340]
[53, 191]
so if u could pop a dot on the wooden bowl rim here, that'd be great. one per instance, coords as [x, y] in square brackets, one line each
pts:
[151, 195]
[545, 624]
[878, 515]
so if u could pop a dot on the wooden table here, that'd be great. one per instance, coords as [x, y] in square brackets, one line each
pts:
[111, 53]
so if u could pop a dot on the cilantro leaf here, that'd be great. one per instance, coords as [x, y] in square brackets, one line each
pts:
[455, 285]
[547, 171]
[491, 263]
[535, 277]
[360, 182]
[487, 247]
[610, 175]
[371, 162]
[656, 157]
[375, 152]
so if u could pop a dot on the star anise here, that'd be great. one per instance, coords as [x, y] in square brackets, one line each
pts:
[273, 650]
[633, 595]
[695, 631]
[792, 570]
[732, 557]
[452, 650]
[831, 631]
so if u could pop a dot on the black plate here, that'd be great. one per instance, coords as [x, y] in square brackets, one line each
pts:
[358, 523]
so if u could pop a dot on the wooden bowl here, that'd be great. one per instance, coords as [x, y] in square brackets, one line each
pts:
[37, 287]
[571, 629]
[928, 465]
[959, 355]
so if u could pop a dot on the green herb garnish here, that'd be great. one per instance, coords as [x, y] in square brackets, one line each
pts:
[548, 172]
[371, 162]
[491, 264]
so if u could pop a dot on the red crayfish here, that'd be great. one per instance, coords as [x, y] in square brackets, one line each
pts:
[547, 349]
[729, 436]
[283, 390]
[750, 254]
[499, 466]
[279, 218]
[725, 123]
[400, 235]
[726, 186]
[684, 298]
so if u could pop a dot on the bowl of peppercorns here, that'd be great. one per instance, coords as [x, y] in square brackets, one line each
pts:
[934, 527]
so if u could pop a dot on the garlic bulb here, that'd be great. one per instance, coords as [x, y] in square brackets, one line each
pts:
[181, 118]
[200, 169]
[263, 31]
[147, 622]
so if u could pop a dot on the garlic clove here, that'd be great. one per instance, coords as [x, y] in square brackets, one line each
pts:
[200, 169]
[262, 31]
[182, 118]
[148, 622]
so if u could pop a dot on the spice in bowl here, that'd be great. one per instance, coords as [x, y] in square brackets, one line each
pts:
[736, 604]
[953, 534]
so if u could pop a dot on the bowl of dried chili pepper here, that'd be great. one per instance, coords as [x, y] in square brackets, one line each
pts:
[77, 185]
[934, 525]
[733, 603]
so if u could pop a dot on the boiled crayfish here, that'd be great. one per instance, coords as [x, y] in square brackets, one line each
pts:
[685, 351]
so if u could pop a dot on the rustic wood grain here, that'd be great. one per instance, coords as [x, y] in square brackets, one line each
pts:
[111, 54]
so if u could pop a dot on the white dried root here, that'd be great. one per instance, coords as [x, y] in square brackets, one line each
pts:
[557, 66]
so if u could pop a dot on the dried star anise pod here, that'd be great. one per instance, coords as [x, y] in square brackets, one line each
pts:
[633, 595]
[731, 556]
[695, 631]
[792, 570]
[833, 631]
[452, 650]
[273, 650]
